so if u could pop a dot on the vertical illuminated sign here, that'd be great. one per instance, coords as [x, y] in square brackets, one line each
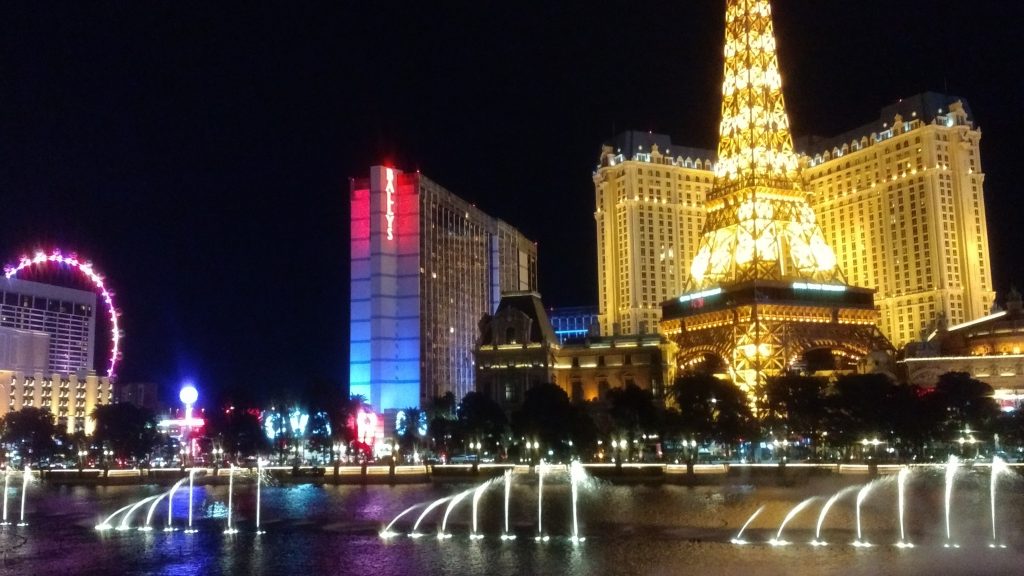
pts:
[389, 212]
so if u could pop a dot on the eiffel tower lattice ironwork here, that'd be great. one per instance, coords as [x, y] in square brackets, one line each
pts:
[764, 287]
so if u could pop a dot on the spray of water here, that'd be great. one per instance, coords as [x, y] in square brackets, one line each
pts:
[125, 523]
[508, 493]
[415, 527]
[191, 486]
[259, 504]
[476, 535]
[451, 506]
[951, 467]
[7, 485]
[824, 512]
[26, 477]
[778, 541]
[231, 492]
[739, 535]
[901, 484]
[386, 532]
[998, 466]
[861, 496]
[541, 467]
[576, 475]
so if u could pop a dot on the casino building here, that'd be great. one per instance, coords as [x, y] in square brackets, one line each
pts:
[47, 342]
[426, 266]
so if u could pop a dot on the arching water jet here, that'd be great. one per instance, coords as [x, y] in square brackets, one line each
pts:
[824, 512]
[862, 495]
[778, 541]
[739, 535]
[443, 534]
[415, 527]
[475, 534]
[386, 532]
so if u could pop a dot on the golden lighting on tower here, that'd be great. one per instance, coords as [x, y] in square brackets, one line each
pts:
[759, 223]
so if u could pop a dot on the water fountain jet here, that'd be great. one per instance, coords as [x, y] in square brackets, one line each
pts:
[7, 483]
[125, 523]
[998, 466]
[259, 481]
[540, 503]
[576, 473]
[443, 534]
[508, 492]
[861, 496]
[386, 532]
[824, 512]
[901, 484]
[951, 467]
[415, 527]
[778, 541]
[739, 535]
[26, 476]
[475, 535]
[231, 491]
[191, 485]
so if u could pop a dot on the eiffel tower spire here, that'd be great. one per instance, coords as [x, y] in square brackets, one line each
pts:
[759, 224]
[755, 144]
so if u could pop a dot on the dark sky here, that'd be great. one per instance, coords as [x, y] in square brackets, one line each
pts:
[199, 153]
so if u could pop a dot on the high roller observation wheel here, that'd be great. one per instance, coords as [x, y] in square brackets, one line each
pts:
[56, 258]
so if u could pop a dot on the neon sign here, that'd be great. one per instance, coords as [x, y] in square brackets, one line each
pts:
[389, 212]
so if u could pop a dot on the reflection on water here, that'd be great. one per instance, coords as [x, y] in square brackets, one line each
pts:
[318, 530]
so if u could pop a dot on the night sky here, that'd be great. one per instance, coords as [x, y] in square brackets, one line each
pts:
[199, 153]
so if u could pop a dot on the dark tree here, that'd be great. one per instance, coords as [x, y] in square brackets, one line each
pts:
[129, 430]
[482, 418]
[633, 410]
[238, 431]
[711, 408]
[860, 408]
[547, 416]
[966, 404]
[796, 405]
[31, 431]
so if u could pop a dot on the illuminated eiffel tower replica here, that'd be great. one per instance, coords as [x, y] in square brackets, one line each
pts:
[764, 287]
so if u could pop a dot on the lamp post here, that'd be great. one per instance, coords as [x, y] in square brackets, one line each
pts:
[81, 459]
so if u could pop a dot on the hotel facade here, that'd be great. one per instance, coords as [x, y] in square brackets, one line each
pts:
[47, 343]
[426, 266]
[900, 200]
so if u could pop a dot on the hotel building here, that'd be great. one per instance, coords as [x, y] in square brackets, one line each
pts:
[426, 266]
[47, 342]
[900, 200]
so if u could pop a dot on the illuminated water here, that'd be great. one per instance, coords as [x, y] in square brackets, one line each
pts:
[629, 530]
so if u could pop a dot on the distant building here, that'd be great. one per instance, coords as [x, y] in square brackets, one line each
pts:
[426, 266]
[649, 213]
[990, 349]
[574, 322]
[142, 394]
[65, 314]
[47, 342]
[69, 397]
[518, 349]
[900, 200]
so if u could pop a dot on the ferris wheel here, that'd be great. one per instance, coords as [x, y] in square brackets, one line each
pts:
[56, 259]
